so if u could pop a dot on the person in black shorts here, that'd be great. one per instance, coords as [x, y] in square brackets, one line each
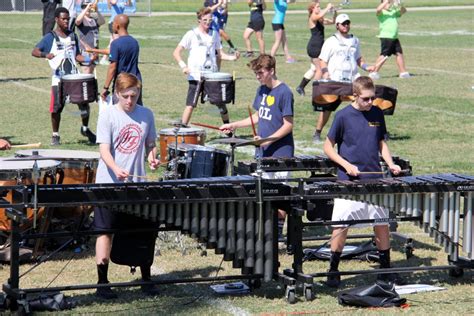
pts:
[256, 25]
[316, 22]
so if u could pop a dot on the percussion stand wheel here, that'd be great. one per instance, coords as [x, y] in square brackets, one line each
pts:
[455, 271]
[308, 292]
[290, 294]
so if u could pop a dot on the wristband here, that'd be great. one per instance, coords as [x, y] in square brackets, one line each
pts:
[106, 88]
[43, 54]
[364, 67]
[182, 64]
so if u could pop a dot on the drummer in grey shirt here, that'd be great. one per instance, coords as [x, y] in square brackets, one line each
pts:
[125, 133]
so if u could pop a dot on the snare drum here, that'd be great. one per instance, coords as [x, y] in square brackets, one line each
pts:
[328, 95]
[219, 88]
[21, 173]
[196, 161]
[188, 135]
[78, 88]
[78, 167]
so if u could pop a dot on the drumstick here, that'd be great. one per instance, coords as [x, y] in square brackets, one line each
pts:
[206, 126]
[33, 145]
[380, 63]
[251, 120]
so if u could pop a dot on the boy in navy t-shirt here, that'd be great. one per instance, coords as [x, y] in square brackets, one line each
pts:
[359, 132]
[274, 105]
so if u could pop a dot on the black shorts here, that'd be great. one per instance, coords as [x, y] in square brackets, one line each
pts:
[111, 30]
[193, 95]
[105, 218]
[55, 105]
[277, 27]
[257, 23]
[390, 47]
[314, 49]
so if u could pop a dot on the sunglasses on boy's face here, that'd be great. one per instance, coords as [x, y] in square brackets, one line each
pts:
[367, 99]
[346, 23]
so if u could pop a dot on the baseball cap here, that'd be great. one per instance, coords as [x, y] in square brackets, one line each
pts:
[341, 18]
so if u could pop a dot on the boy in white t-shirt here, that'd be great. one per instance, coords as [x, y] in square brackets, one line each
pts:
[205, 49]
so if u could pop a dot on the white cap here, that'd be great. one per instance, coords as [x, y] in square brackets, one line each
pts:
[341, 18]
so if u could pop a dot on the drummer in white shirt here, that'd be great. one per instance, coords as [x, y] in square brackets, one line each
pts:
[205, 49]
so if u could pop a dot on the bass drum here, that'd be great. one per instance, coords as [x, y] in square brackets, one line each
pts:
[78, 89]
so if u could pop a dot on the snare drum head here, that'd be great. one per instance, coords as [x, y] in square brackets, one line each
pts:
[187, 147]
[217, 76]
[61, 153]
[77, 77]
[26, 165]
[182, 131]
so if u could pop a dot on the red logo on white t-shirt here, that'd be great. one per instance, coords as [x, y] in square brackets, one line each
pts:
[129, 138]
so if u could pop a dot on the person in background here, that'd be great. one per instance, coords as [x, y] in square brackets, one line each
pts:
[220, 13]
[61, 48]
[339, 58]
[316, 22]
[49, 6]
[123, 57]
[278, 25]
[116, 7]
[388, 12]
[126, 136]
[255, 25]
[205, 50]
[359, 132]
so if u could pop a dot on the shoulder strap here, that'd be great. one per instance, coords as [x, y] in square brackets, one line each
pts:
[56, 37]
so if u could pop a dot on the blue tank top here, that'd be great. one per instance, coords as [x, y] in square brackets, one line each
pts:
[280, 7]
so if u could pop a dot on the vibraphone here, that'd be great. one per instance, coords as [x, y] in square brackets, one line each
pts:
[222, 212]
[442, 204]
[313, 163]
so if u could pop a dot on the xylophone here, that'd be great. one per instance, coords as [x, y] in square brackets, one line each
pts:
[313, 163]
[222, 212]
[442, 203]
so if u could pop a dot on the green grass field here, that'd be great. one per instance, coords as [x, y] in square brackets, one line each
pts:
[432, 127]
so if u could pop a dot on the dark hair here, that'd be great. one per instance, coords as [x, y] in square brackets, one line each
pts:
[263, 61]
[362, 83]
[60, 10]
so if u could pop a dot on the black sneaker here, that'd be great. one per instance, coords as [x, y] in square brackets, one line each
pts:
[248, 54]
[333, 280]
[90, 136]
[393, 278]
[300, 91]
[106, 293]
[150, 289]
[55, 140]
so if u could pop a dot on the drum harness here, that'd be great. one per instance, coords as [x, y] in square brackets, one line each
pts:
[346, 67]
[70, 67]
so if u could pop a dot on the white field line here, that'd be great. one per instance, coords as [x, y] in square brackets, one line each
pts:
[24, 85]
[218, 303]
[429, 109]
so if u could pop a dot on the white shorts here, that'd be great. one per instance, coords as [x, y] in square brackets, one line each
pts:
[345, 210]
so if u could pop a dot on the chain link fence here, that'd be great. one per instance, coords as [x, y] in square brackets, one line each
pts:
[139, 7]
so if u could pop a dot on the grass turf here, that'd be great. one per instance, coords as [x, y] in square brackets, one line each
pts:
[432, 127]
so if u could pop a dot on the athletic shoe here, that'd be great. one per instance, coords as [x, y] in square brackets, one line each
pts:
[393, 278]
[300, 91]
[248, 54]
[106, 293]
[317, 138]
[374, 75]
[232, 51]
[55, 140]
[90, 136]
[291, 60]
[405, 75]
[150, 289]
[333, 280]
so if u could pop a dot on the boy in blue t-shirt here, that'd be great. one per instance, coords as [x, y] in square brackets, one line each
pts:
[359, 132]
[274, 114]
